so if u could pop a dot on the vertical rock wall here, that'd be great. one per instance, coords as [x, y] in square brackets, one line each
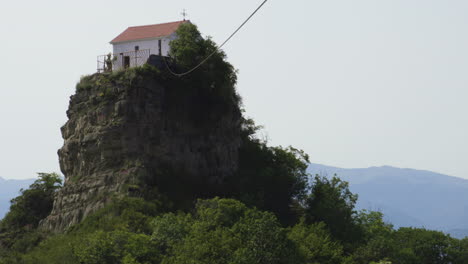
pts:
[130, 130]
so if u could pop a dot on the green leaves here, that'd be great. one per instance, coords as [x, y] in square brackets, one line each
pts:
[223, 231]
[226, 231]
[331, 202]
[270, 178]
[189, 48]
[33, 204]
[213, 73]
[417, 245]
[116, 247]
[315, 244]
[378, 242]
[169, 230]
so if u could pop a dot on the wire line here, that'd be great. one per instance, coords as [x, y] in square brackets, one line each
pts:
[218, 48]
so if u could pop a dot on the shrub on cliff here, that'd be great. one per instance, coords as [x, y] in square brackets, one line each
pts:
[270, 178]
[216, 74]
[33, 204]
[17, 229]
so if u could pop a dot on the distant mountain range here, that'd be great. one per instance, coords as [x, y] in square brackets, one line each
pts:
[408, 197]
[10, 189]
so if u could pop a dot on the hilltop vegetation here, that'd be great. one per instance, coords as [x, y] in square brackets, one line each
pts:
[9, 190]
[266, 212]
[222, 230]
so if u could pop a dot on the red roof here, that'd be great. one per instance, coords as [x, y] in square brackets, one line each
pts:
[149, 31]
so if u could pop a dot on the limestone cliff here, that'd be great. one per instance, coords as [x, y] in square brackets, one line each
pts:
[135, 131]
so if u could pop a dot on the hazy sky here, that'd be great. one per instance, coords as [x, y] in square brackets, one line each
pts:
[354, 83]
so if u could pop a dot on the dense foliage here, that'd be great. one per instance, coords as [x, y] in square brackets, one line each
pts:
[269, 212]
[18, 228]
[218, 230]
[331, 202]
[33, 204]
[211, 74]
[269, 178]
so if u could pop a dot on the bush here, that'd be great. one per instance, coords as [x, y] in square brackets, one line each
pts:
[116, 247]
[33, 204]
[332, 203]
[270, 178]
[223, 231]
[315, 244]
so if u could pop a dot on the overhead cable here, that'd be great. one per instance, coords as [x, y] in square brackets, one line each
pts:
[218, 48]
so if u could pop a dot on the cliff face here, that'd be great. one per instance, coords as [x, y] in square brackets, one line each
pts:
[130, 133]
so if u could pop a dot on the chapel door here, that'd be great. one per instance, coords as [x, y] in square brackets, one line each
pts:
[160, 47]
[126, 62]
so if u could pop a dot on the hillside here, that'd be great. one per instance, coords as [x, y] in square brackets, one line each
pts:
[10, 189]
[409, 197]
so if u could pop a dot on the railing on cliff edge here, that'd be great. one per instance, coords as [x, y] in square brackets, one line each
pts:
[112, 62]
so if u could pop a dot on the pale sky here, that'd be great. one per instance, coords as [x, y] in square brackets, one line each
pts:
[353, 83]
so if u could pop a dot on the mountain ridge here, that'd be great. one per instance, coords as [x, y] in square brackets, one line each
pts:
[408, 197]
[388, 167]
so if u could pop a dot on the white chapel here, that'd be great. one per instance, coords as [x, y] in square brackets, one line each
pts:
[134, 46]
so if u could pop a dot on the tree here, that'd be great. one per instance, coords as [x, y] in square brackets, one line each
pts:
[190, 49]
[331, 202]
[34, 204]
[271, 178]
[315, 244]
[116, 247]
[418, 245]
[378, 243]
[223, 231]
[17, 229]
[459, 250]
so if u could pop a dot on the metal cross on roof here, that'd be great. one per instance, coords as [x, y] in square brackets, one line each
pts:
[184, 14]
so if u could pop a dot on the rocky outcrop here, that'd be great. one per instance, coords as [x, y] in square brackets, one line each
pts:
[132, 132]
